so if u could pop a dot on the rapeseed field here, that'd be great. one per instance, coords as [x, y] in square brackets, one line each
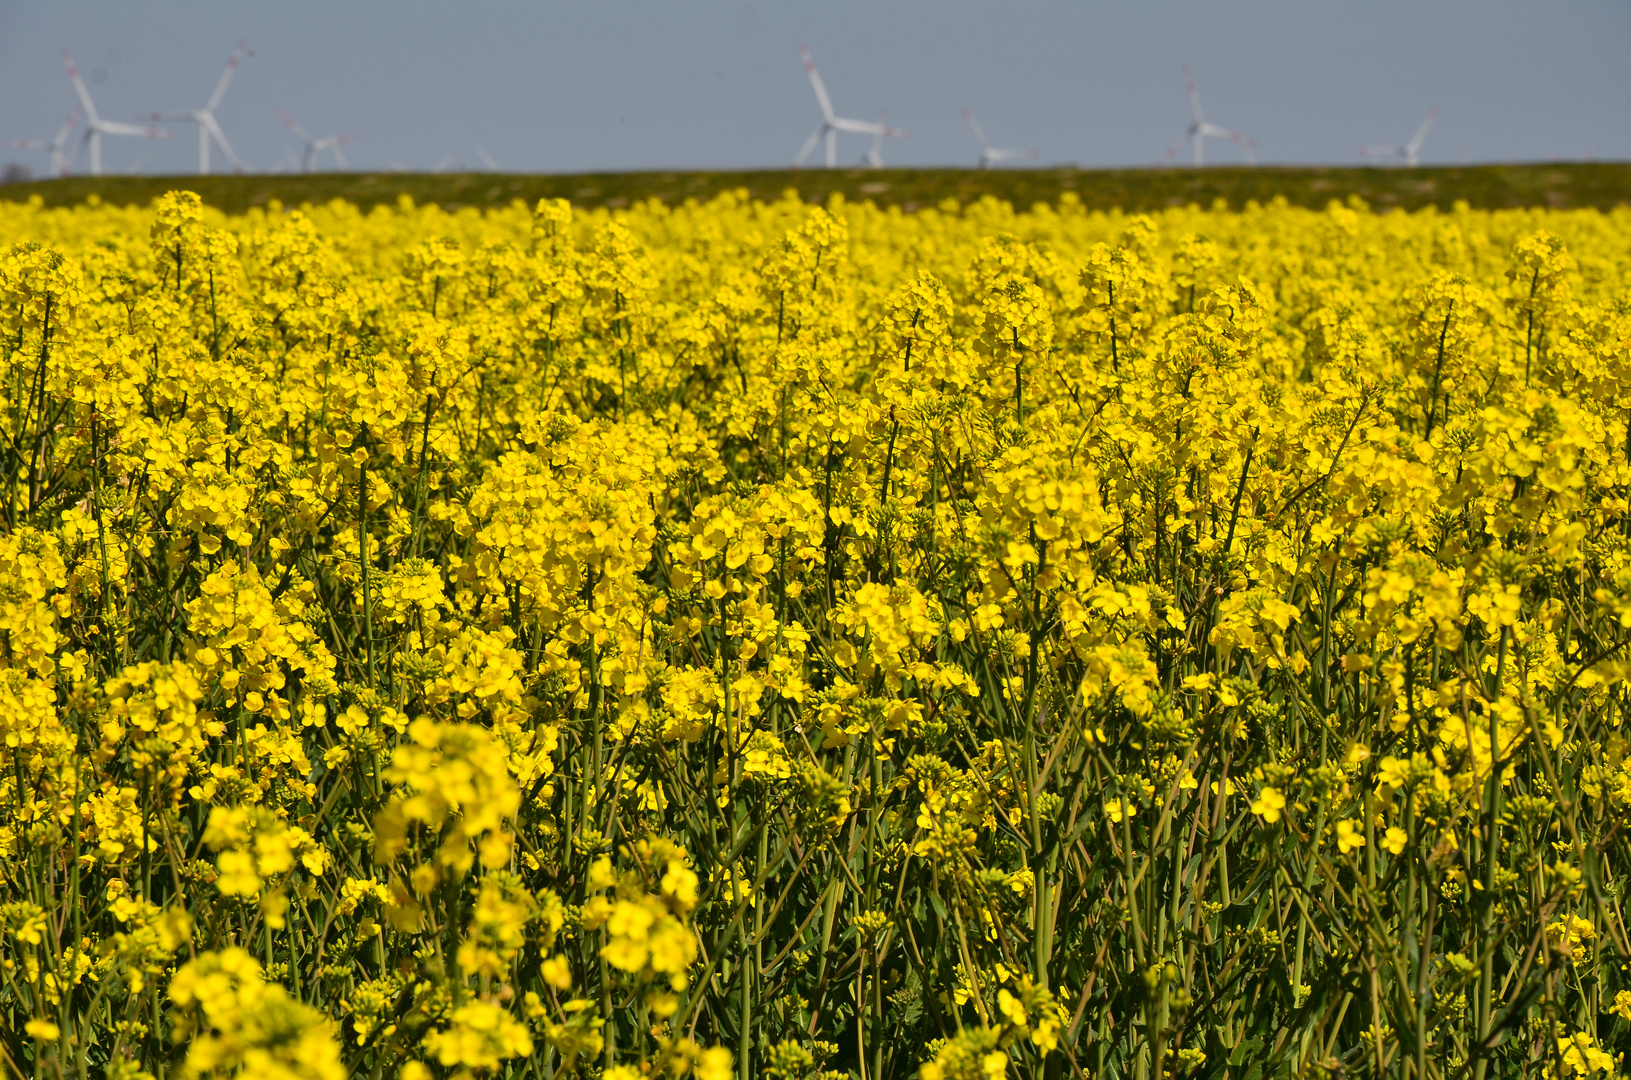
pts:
[751, 639]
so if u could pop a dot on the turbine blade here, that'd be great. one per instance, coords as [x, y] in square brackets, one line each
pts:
[113, 127]
[1194, 96]
[79, 88]
[295, 127]
[486, 158]
[1414, 146]
[867, 127]
[1241, 141]
[874, 156]
[339, 156]
[226, 76]
[214, 129]
[809, 145]
[815, 81]
[63, 132]
[974, 126]
[79, 147]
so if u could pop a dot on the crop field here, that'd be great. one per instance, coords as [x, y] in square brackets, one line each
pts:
[1559, 185]
[747, 637]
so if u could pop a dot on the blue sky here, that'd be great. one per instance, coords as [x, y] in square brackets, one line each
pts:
[584, 85]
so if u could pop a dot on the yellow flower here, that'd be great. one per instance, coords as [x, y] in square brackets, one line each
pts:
[234, 1020]
[1569, 935]
[1579, 1055]
[480, 1035]
[43, 1030]
[1349, 837]
[1268, 804]
[556, 973]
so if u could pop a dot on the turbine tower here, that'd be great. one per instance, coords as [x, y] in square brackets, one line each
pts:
[317, 146]
[832, 124]
[208, 129]
[96, 127]
[1408, 153]
[989, 155]
[59, 160]
[1199, 129]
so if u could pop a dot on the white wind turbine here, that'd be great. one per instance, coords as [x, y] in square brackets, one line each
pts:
[1408, 153]
[59, 160]
[317, 146]
[1199, 129]
[96, 127]
[989, 155]
[208, 129]
[831, 125]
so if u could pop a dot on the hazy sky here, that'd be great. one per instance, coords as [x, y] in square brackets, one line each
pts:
[584, 85]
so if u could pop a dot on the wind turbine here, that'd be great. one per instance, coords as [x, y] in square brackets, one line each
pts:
[96, 127]
[59, 160]
[989, 155]
[205, 118]
[317, 146]
[831, 125]
[1199, 129]
[1408, 153]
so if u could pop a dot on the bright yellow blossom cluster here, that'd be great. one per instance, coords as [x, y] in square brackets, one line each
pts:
[745, 639]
